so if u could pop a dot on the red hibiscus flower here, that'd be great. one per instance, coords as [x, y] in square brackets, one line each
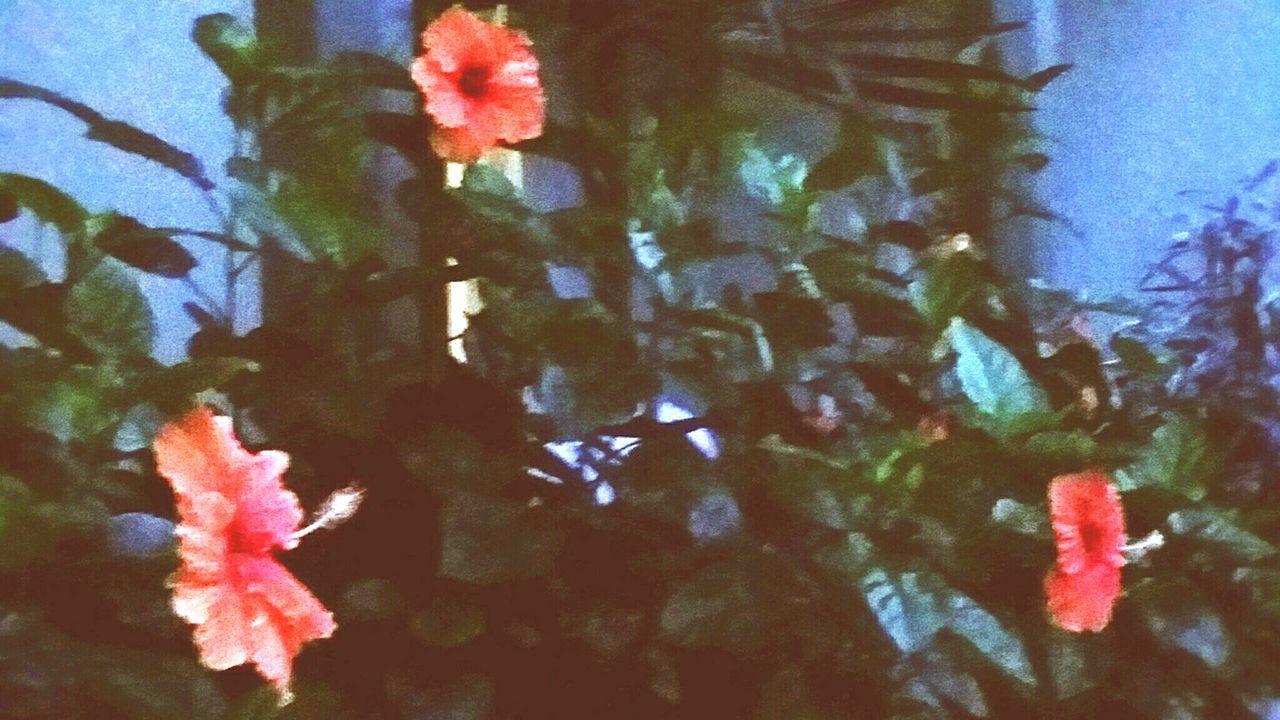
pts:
[1088, 523]
[481, 85]
[234, 512]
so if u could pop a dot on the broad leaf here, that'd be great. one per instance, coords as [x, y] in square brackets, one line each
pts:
[1178, 458]
[908, 611]
[47, 202]
[1179, 618]
[991, 376]
[109, 313]
[489, 540]
[971, 621]
[1216, 527]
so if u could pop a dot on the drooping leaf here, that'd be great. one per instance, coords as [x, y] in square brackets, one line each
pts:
[933, 100]
[17, 271]
[130, 139]
[48, 203]
[108, 312]
[147, 249]
[991, 377]
[374, 70]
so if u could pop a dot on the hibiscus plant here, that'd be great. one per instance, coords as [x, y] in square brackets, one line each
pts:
[870, 478]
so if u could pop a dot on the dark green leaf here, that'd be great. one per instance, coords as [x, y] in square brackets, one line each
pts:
[1218, 528]
[149, 250]
[139, 142]
[489, 540]
[17, 271]
[48, 203]
[447, 624]
[109, 313]
[228, 42]
[931, 100]
[1075, 447]
[406, 133]
[725, 605]
[901, 232]
[857, 153]
[374, 70]
[8, 206]
[1178, 458]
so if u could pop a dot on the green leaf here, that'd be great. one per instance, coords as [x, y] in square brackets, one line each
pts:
[8, 206]
[75, 406]
[23, 537]
[971, 621]
[446, 624]
[1020, 518]
[1075, 447]
[1075, 664]
[1179, 618]
[231, 44]
[48, 203]
[108, 312]
[947, 290]
[172, 388]
[149, 250]
[17, 271]
[991, 376]
[1178, 458]
[489, 540]
[1217, 527]
[906, 609]
[728, 605]
[1135, 356]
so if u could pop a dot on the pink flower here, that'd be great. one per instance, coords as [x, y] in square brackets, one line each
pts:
[1088, 524]
[234, 513]
[480, 81]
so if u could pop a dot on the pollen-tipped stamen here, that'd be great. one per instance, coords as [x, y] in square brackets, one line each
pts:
[334, 510]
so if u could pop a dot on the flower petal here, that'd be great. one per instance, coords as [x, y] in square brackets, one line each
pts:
[200, 453]
[1080, 602]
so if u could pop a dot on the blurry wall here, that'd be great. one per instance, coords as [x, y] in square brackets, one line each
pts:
[132, 60]
[1166, 96]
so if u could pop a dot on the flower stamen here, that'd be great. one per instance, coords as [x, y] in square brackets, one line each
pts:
[334, 510]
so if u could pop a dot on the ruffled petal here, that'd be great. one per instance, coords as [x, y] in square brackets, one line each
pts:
[266, 511]
[286, 616]
[200, 453]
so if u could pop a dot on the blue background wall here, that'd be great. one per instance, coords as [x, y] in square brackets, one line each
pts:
[132, 60]
[1166, 95]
